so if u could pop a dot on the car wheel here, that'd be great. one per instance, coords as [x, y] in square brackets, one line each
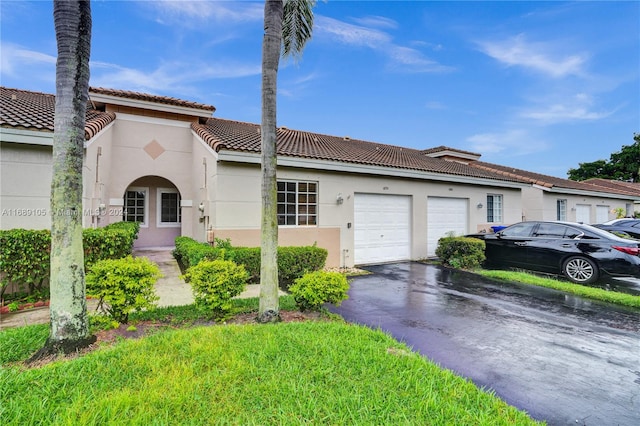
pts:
[580, 270]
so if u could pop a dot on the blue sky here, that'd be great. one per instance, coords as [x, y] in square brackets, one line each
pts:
[541, 86]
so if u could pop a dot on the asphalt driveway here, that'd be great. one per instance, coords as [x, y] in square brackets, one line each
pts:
[561, 358]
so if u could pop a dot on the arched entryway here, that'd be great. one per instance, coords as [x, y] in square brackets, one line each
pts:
[155, 203]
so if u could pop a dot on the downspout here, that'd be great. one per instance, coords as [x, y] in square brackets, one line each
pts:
[95, 213]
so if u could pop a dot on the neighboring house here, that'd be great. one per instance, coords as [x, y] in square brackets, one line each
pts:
[631, 187]
[167, 163]
[552, 198]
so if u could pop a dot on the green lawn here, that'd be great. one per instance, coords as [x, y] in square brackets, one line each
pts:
[567, 287]
[324, 372]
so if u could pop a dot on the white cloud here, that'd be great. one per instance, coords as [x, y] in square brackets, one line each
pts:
[26, 69]
[170, 75]
[511, 142]
[414, 60]
[354, 35]
[376, 21]
[185, 12]
[402, 58]
[576, 108]
[295, 87]
[539, 56]
[436, 105]
[16, 59]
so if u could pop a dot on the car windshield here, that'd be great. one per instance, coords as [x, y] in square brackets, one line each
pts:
[614, 221]
[601, 233]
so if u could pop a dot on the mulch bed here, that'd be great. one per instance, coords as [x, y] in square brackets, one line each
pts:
[141, 329]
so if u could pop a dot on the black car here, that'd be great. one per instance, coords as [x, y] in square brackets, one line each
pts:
[629, 226]
[582, 253]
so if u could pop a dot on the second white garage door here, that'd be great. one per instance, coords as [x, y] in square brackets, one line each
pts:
[445, 215]
[382, 228]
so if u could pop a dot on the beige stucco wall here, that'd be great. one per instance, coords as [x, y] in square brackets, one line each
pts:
[142, 151]
[203, 166]
[159, 152]
[25, 185]
[236, 207]
[542, 205]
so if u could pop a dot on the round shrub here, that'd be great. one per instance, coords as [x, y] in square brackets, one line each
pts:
[461, 252]
[123, 285]
[317, 288]
[214, 283]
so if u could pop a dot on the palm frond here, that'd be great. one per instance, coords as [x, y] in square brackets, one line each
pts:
[297, 26]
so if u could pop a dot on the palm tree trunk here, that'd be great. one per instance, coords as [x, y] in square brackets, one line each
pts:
[68, 306]
[268, 307]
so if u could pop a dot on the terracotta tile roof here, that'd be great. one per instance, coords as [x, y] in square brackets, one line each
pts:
[548, 181]
[632, 187]
[21, 109]
[96, 121]
[35, 111]
[26, 110]
[446, 148]
[151, 98]
[240, 136]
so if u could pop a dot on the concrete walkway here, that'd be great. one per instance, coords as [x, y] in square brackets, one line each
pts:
[170, 288]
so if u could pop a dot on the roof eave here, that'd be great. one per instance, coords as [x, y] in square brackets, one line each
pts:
[30, 137]
[337, 166]
[155, 106]
[570, 191]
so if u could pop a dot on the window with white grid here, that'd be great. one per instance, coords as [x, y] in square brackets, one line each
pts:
[297, 203]
[494, 208]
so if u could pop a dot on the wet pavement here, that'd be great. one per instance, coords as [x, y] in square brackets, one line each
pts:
[561, 358]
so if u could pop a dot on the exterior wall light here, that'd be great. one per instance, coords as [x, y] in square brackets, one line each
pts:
[479, 205]
[339, 199]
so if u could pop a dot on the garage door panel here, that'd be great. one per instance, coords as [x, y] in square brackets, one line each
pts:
[381, 228]
[444, 216]
[583, 213]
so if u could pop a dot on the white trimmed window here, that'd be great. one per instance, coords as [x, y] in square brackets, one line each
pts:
[169, 213]
[297, 203]
[494, 208]
[136, 205]
[561, 209]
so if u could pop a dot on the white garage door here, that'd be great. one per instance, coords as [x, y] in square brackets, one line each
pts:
[583, 213]
[382, 230]
[602, 214]
[445, 215]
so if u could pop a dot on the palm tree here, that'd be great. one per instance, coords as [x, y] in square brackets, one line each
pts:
[287, 27]
[68, 306]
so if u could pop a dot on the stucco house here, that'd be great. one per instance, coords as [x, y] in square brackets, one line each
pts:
[630, 187]
[552, 198]
[169, 164]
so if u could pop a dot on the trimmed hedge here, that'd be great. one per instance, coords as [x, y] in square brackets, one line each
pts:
[461, 252]
[25, 253]
[214, 284]
[293, 262]
[24, 258]
[317, 288]
[123, 285]
[110, 242]
[189, 252]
